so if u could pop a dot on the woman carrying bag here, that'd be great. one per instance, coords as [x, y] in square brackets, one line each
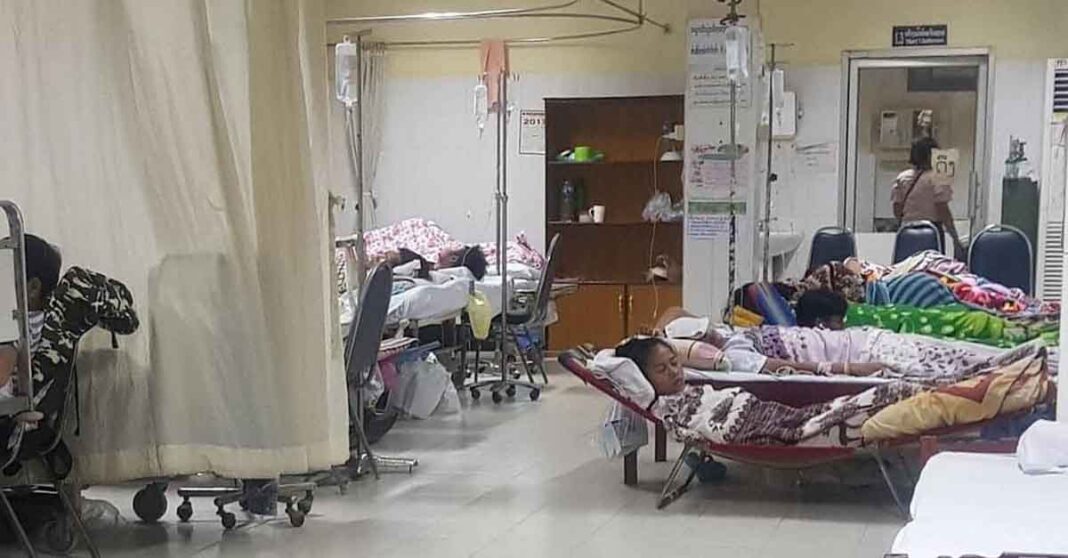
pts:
[921, 194]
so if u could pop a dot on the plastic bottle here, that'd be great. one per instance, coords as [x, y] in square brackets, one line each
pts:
[567, 202]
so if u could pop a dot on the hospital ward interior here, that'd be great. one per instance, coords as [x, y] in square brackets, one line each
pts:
[526, 278]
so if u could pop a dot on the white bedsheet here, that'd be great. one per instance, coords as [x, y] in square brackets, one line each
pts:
[983, 504]
[692, 374]
[430, 303]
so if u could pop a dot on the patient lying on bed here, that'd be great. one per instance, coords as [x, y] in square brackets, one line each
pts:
[857, 351]
[470, 257]
[735, 416]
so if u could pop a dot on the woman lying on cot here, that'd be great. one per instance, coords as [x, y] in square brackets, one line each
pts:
[857, 352]
[735, 416]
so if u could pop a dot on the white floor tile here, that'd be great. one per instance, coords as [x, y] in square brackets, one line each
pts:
[526, 480]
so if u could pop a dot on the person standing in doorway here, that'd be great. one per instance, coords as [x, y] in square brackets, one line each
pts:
[921, 194]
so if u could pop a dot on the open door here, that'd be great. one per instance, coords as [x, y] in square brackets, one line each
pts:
[885, 93]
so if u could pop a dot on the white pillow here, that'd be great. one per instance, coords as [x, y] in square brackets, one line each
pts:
[687, 328]
[1043, 448]
[625, 376]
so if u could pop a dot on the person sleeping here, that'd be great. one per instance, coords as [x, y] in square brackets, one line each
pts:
[855, 351]
[735, 416]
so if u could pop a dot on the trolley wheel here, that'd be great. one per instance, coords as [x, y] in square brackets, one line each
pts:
[185, 511]
[296, 517]
[229, 520]
[475, 394]
[497, 397]
[510, 391]
[535, 394]
[150, 503]
[59, 535]
[305, 504]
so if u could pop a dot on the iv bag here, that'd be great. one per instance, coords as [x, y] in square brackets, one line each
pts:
[737, 47]
[347, 72]
[481, 97]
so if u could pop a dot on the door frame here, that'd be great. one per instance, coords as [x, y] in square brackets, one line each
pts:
[853, 60]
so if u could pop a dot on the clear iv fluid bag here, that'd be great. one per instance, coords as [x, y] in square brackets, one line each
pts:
[347, 72]
[737, 50]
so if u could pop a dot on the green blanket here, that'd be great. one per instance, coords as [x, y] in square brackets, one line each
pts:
[954, 321]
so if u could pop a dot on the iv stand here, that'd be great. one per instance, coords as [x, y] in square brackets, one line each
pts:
[354, 122]
[771, 177]
[502, 215]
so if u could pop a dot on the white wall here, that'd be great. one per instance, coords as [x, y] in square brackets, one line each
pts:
[434, 165]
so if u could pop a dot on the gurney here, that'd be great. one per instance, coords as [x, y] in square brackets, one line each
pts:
[794, 391]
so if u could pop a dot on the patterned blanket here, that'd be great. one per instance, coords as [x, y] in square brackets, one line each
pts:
[702, 413]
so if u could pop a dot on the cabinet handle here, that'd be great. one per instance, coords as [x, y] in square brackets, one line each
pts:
[620, 305]
[630, 305]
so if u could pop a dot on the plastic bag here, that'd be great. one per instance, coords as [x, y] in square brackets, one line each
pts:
[660, 209]
[450, 401]
[421, 385]
[623, 432]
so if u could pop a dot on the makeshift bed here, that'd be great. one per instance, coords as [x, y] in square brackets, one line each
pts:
[795, 391]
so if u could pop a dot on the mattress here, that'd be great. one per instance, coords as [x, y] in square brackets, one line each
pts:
[983, 504]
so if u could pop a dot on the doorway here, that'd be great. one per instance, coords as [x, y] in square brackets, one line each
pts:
[884, 95]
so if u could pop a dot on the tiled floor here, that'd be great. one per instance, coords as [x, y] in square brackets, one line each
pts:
[526, 479]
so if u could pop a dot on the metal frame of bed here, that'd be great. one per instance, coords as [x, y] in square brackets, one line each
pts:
[775, 457]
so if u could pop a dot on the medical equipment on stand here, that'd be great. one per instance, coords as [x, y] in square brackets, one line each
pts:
[737, 46]
[775, 103]
[348, 67]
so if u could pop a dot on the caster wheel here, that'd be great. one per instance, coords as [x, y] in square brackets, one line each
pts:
[150, 503]
[185, 511]
[305, 505]
[296, 517]
[497, 397]
[510, 391]
[59, 536]
[229, 520]
[475, 394]
[535, 394]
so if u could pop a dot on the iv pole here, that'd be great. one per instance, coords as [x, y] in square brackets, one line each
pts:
[771, 177]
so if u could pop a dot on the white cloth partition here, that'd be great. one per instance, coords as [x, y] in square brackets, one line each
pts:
[180, 146]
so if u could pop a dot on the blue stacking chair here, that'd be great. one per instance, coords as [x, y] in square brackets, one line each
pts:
[831, 244]
[917, 236]
[1003, 254]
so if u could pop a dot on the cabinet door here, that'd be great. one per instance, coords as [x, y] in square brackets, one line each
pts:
[593, 314]
[645, 303]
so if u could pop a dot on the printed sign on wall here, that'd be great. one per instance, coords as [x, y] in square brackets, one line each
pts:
[531, 132]
[920, 35]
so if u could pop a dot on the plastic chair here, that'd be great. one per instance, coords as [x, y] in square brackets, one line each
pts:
[1003, 254]
[519, 340]
[831, 244]
[915, 237]
[361, 355]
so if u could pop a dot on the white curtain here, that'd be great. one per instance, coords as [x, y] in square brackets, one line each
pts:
[180, 147]
[372, 78]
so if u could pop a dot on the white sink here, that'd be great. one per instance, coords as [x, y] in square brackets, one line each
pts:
[782, 243]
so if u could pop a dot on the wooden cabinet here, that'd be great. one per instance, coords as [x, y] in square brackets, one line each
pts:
[593, 314]
[645, 303]
[610, 261]
[603, 315]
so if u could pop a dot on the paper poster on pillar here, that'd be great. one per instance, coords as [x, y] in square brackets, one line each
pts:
[713, 172]
[709, 84]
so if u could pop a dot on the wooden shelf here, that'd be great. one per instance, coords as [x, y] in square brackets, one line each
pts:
[607, 225]
[607, 163]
